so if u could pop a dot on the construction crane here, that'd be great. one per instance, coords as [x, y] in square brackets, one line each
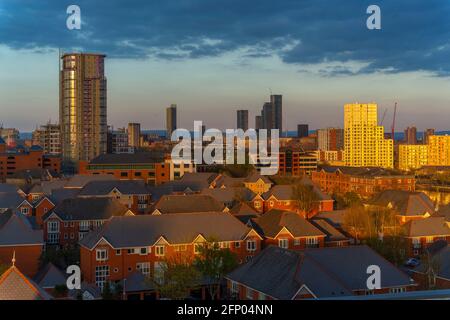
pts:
[393, 122]
[384, 116]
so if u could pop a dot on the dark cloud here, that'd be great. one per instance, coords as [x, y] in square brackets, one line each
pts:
[415, 34]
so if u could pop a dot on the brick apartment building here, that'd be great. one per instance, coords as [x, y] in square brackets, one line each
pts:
[148, 166]
[151, 239]
[364, 181]
[20, 159]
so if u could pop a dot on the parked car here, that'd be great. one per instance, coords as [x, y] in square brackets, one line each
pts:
[412, 262]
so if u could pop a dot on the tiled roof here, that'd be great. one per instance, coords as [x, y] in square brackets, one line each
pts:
[332, 234]
[16, 229]
[10, 200]
[187, 203]
[128, 158]
[432, 226]
[50, 276]
[88, 209]
[272, 222]
[326, 272]
[8, 188]
[406, 203]
[255, 176]
[145, 230]
[285, 192]
[231, 194]
[14, 285]
[441, 258]
[369, 172]
[79, 180]
[127, 187]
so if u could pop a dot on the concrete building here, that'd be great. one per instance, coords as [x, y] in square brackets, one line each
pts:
[82, 106]
[412, 156]
[439, 150]
[411, 135]
[49, 138]
[364, 142]
[330, 139]
[134, 135]
[426, 134]
[302, 130]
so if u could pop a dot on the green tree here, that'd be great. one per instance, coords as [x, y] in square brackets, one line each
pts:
[214, 263]
[305, 197]
[176, 278]
[107, 292]
[60, 257]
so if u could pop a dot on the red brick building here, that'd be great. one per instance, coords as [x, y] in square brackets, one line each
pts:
[151, 239]
[18, 237]
[146, 166]
[72, 219]
[422, 233]
[364, 181]
[20, 159]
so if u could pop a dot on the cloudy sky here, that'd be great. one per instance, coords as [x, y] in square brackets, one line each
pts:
[212, 57]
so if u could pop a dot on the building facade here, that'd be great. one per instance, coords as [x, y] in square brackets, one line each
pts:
[439, 150]
[242, 119]
[330, 139]
[82, 106]
[49, 138]
[134, 135]
[171, 120]
[364, 142]
[302, 130]
[412, 156]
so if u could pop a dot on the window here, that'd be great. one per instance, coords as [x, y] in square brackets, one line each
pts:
[297, 242]
[429, 239]
[234, 287]
[251, 245]
[84, 225]
[101, 275]
[249, 294]
[180, 247]
[143, 267]
[197, 248]
[25, 210]
[101, 254]
[66, 236]
[312, 241]
[283, 243]
[124, 174]
[159, 272]
[118, 252]
[52, 227]
[257, 204]
[237, 244]
[396, 290]
[143, 251]
[159, 251]
[53, 238]
[137, 174]
[224, 245]
[132, 251]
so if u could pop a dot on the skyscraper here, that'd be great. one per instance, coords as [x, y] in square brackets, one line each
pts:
[134, 135]
[411, 135]
[171, 119]
[82, 106]
[242, 119]
[276, 100]
[364, 142]
[267, 116]
[258, 122]
[302, 130]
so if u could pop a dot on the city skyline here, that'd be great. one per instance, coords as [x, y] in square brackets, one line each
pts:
[223, 70]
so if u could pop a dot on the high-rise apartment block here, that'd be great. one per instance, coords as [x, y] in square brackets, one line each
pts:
[242, 119]
[171, 120]
[439, 150]
[412, 156]
[134, 135]
[49, 138]
[82, 106]
[364, 142]
[411, 135]
[330, 139]
[426, 134]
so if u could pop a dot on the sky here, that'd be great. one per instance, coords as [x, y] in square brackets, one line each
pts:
[212, 57]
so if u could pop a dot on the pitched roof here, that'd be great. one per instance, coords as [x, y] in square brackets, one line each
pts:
[368, 172]
[255, 176]
[231, 194]
[332, 234]
[10, 200]
[432, 226]
[229, 182]
[285, 192]
[243, 208]
[16, 229]
[127, 158]
[88, 209]
[128, 187]
[50, 276]
[145, 230]
[79, 180]
[326, 272]
[187, 203]
[441, 257]
[272, 222]
[8, 188]
[59, 195]
[406, 203]
[14, 285]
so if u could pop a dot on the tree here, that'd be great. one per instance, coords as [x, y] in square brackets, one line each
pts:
[107, 292]
[214, 263]
[60, 257]
[357, 222]
[305, 197]
[176, 278]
